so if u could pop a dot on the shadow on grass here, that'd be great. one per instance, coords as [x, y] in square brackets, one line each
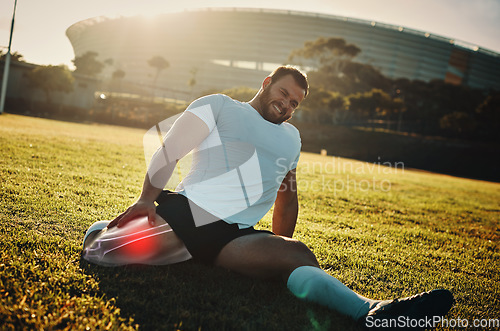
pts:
[192, 296]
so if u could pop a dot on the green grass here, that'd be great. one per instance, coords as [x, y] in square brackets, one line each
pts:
[385, 232]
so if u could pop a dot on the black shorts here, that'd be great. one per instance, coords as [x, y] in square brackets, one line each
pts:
[203, 242]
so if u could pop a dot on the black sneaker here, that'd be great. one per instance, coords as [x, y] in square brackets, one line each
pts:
[417, 312]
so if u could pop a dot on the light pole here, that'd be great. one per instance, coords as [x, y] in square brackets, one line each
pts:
[7, 64]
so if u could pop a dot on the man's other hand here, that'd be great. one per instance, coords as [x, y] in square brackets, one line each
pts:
[138, 209]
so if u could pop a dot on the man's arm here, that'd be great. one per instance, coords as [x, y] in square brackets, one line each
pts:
[144, 206]
[187, 132]
[286, 207]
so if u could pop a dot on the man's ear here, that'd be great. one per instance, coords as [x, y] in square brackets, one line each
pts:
[266, 82]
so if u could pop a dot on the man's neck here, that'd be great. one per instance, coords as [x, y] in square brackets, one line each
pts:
[255, 103]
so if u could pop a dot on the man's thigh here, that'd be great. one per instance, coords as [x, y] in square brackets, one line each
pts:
[137, 243]
[265, 255]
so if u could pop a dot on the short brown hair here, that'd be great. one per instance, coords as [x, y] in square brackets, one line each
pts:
[299, 76]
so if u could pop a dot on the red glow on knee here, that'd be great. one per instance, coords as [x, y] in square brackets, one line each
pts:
[138, 245]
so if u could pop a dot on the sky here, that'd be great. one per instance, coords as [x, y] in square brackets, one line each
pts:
[40, 25]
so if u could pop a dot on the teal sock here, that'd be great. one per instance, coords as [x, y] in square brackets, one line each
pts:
[313, 284]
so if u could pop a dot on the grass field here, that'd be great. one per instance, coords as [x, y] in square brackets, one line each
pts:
[383, 230]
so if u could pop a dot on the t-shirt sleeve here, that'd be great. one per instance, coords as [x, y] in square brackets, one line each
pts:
[299, 147]
[207, 109]
[294, 164]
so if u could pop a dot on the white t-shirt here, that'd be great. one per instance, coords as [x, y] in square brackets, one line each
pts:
[238, 169]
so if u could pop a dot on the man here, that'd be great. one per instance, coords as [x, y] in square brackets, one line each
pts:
[244, 161]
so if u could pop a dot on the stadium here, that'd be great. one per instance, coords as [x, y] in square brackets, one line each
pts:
[227, 47]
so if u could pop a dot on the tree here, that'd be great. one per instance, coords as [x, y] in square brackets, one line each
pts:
[323, 106]
[109, 62]
[426, 104]
[14, 57]
[330, 65]
[361, 105]
[373, 104]
[87, 64]
[458, 123]
[337, 107]
[118, 74]
[159, 63]
[364, 77]
[315, 106]
[488, 114]
[51, 79]
[332, 53]
[117, 77]
[192, 81]
[241, 93]
[356, 77]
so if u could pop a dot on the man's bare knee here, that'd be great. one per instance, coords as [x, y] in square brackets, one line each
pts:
[300, 255]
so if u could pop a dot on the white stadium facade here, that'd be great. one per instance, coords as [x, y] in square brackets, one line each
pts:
[229, 47]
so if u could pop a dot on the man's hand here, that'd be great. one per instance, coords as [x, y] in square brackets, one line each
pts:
[138, 209]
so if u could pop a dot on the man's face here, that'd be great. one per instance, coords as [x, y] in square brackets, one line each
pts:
[279, 99]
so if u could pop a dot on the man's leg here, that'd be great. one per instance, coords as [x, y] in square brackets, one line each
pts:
[135, 243]
[270, 256]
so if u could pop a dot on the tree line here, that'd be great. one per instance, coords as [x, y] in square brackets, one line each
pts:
[50, 78]
[347, 92]
[343, 92]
